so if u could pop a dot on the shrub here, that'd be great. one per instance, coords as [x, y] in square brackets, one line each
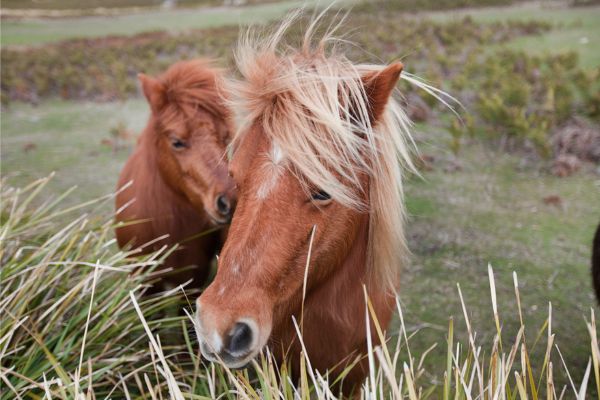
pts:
[105, 68]
[519, 99]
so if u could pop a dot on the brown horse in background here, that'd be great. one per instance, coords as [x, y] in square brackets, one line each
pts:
[178, 171]
[319, 166]
[596, 263]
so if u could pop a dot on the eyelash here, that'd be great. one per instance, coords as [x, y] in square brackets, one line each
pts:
[178, 144]
[320, 195]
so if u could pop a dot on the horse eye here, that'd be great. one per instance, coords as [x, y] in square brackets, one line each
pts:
[321, 195]
[178, 144]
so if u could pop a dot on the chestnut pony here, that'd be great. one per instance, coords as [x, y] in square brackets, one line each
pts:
[179, 187]
[318, 164]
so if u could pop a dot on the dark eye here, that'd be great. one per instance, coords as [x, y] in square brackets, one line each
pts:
[178, 144]
[321, 195]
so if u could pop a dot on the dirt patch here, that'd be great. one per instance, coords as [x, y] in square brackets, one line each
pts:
[575, 143]
[578, 138]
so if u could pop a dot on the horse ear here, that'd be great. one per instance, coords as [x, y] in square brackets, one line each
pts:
[378, 88]
[154, 92]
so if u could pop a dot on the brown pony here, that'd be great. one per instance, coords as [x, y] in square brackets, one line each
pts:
[178, 172]
[318, 165]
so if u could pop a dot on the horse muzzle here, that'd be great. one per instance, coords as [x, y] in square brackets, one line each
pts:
[235, 347]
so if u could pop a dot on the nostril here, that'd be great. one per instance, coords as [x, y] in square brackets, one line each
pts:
[240, 338]
[223, 205]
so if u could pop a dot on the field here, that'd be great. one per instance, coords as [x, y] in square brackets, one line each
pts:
[577, 25]
[475, 204]
[36, 32]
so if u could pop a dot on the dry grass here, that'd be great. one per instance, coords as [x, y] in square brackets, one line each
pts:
[75, 326]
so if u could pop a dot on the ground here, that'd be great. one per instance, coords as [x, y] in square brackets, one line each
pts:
[478, 208]
[491, 211]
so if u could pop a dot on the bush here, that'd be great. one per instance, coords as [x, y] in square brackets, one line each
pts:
[518, 99]
[105, 69]
[102, 69]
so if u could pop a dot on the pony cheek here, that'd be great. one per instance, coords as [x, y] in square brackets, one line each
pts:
[335, 240]
[169, 168]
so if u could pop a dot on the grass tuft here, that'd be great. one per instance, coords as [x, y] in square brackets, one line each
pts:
[76, 325]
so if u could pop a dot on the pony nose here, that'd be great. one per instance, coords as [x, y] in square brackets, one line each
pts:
[223, 205]
[240, 339]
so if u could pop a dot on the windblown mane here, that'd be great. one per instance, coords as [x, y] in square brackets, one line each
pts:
[189, 85]
[311, 102]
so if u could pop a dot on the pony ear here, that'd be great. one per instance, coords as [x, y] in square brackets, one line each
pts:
[154, 92]
[378, 88]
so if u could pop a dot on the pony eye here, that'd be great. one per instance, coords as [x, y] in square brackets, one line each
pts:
[178, 144]
[321, 195]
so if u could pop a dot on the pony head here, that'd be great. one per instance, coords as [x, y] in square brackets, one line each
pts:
[192, 127]
[318, 165]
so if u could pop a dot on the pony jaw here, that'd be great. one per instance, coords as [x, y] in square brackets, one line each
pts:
[218, 221]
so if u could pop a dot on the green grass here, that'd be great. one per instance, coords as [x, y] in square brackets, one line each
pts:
[40, 31]
[67, 138]
[89, 4]
[492, 212]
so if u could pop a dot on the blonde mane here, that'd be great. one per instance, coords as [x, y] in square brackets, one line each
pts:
[311, 103]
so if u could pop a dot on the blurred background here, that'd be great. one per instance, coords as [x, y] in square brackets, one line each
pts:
[515, 182]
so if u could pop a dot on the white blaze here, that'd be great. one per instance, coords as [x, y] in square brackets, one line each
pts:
[273, 169]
